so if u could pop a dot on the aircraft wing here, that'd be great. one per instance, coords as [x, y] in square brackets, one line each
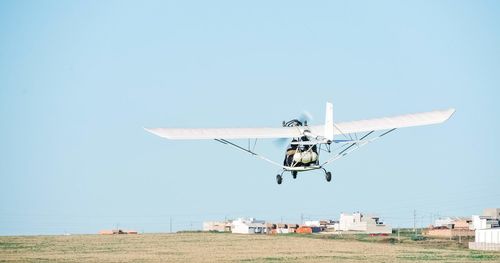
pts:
[401, 121]
[226, 133]
[417, 119]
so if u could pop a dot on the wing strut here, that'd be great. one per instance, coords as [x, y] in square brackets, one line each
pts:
[223, 141]
[348, 147]
[360, 143]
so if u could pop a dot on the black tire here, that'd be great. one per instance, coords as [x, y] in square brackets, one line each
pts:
[328, 176]
[294, 174]
[279, 179]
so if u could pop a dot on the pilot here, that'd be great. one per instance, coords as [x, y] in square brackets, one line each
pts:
[309, 154]
[301, 155]
[315, 154]
[290, 152]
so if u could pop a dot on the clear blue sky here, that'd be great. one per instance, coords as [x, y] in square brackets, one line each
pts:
[80, 79]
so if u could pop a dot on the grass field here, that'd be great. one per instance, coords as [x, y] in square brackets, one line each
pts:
[220, 247]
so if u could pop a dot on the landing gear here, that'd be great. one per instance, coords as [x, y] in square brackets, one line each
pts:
[328, 176]
[279, 178]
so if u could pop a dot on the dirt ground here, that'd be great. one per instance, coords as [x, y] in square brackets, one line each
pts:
[225, 247]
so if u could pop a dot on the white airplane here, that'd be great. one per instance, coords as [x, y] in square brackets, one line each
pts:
[307, 142]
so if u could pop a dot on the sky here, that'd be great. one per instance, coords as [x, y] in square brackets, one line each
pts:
[80, 79]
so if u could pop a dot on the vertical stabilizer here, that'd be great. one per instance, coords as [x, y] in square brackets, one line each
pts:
[329, 121]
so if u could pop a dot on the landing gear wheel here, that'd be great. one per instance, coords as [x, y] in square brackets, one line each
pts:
[294, 174]
[328, 176]
[279, 179]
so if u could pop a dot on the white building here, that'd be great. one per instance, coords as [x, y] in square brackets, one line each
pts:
[360, 223]
[486, 239]
[484, 222]
[489, 219]
[488, 236]
[487, 230]
[248, 226]
[316, 223]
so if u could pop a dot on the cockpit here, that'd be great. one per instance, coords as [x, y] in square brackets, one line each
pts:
[301, 154]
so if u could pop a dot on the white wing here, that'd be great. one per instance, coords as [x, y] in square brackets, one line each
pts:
[417, 119]
[401, 121]
[226, 133]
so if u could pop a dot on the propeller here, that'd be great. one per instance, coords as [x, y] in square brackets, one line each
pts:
[305, 117]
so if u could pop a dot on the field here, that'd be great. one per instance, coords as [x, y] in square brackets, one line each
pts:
[220, 247]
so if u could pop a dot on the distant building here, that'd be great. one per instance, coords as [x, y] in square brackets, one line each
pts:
[248, 226]
[489, 219]
[484, 222]
[444, 222]
[358, 222]
[217, 226]
[486, 239]
[450, 227]
[117, 232]
[313, 223]
[487, 230]
[287, 228]
[319, 223]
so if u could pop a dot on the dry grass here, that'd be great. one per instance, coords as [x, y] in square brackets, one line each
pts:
[213, 247]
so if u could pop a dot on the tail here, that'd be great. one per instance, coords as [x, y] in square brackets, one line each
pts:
[329, 121]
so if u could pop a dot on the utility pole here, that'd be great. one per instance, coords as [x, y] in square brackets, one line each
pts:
[301, 218]
[170, 224]
[421, 226]
[415, 221]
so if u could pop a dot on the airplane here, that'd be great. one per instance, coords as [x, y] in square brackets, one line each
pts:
[308, 142]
